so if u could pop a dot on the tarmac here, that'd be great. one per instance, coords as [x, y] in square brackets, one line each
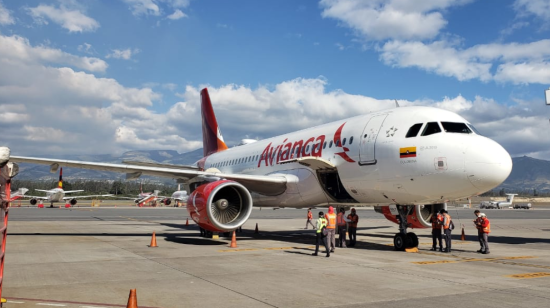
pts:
[92, 257]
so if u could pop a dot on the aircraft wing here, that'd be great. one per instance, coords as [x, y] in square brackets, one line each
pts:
[263, 184]
[72, 191]
[35, 197]
[90, 196]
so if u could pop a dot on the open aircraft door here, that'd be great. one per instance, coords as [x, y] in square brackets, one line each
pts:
[367, 151]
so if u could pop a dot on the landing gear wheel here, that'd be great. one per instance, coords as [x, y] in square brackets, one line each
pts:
[413, 240]
[399, 242]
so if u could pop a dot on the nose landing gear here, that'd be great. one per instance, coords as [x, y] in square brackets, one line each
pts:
[404, 240]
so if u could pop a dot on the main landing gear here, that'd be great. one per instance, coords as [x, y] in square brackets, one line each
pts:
[404, 240]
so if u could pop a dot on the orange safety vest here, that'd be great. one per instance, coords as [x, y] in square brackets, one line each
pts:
[331, 221]
[354, 219]
[309, 216]
[446, 226]
[436, 221]
[478, 222]
[340, 220]
[486, 226]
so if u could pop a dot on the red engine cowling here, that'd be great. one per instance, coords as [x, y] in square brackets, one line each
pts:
[220, 206]
[419, 216]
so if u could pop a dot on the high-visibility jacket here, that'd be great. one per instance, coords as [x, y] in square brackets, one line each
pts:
[486, 225]
[321, 222]
[446, 221]
[340, 220]
[436, 221]
[331, 220]
[309, 216]
[354, 220]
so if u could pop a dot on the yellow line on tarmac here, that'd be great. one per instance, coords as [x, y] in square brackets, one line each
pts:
[529, 275]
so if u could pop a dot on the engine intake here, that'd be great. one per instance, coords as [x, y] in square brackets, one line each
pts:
[33, 201]
[220, 206]
[73, 202]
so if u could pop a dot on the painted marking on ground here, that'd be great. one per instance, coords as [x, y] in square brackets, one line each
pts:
[434, 262]
[529, 275]
[56, 305]
[269, 248]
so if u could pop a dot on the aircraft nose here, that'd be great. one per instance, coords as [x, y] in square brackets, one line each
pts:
[487, 164]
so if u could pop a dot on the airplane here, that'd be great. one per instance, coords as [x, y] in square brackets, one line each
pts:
[498, 204]
[18, 194]
[179, 197]
[58, 194]
[408, 160]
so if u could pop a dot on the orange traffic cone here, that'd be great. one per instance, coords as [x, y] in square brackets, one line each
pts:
[233, 241]
[187, 222]
[132, 299]
[153, 240]
[256, 231]
[463, 237]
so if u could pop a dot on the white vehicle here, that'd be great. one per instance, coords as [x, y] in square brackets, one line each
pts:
[412, 158]
[498, 204]
[58, 194]
[526, 206]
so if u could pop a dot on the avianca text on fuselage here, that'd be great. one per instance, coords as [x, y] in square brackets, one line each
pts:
[295, 149]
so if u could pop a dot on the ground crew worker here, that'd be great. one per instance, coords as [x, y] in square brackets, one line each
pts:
[485, 229]
[309, 219]
[436, 220]
[477, 223]
[321, 223]
[352, 227]
[447, 230]
[341, 223]
[331, 227]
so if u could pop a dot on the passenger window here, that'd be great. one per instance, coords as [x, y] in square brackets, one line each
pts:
[413, 131]
[431, 128]
[324, 145]
[338, 142]
[350, 140]
[307, 149]
[330, 144]
[454, 127]
[344, 141]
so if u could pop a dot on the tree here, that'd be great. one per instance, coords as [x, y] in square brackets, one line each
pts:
[118, 188]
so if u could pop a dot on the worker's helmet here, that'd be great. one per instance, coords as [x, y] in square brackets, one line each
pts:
[321, 214]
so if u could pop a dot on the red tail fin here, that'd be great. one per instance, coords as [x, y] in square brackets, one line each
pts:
[60, 183]
[212, 140]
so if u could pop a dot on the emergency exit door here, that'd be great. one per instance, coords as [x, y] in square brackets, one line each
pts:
[367, 151]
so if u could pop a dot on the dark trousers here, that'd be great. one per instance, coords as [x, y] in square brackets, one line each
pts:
[309, 222]
[484, 241]
[447, 239]
[437, 235]
[321, 240]
[352, 236]
[342, 237]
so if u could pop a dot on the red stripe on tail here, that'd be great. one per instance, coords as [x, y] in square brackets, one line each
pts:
[212, 140]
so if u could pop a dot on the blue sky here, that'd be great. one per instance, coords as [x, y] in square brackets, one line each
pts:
[110, 76]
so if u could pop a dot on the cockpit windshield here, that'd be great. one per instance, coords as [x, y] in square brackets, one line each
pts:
[474, 129]
[431, 128]
[455, 127]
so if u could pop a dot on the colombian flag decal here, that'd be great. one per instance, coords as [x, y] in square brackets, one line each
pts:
[407, 152]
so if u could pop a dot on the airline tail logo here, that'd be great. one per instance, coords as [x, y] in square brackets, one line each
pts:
[338, 142]
[211, 135]
[60, 183]
[407, 152]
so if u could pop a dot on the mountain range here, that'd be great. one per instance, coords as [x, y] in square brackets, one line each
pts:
[527, 174]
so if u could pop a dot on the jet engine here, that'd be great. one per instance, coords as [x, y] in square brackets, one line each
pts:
[166, 201]
[33, 201]
[220, 206]
[418, 216]
[73, 202]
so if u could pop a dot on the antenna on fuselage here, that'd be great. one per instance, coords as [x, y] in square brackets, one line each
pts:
[396, 104]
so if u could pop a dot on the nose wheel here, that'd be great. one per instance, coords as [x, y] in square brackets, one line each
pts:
[404, 240]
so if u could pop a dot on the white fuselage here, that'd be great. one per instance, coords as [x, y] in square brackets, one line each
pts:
[369, 154]
[55, 195]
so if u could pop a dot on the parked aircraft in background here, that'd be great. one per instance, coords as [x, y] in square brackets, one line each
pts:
[408, 160]
[58, 194]
[18, 194]
[179, 196]
[146, 197]
[498, 204]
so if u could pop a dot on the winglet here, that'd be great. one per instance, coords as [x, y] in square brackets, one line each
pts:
[60, 183]
[212, 139]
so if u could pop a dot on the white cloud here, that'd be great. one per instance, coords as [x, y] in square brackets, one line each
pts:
[70, 19]
[5, 17]
[170, 86]
[178, 14]
[390, 19]
[538, 8]
[514, 62]
[87, 48]
[18, 49]
[124, 54]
